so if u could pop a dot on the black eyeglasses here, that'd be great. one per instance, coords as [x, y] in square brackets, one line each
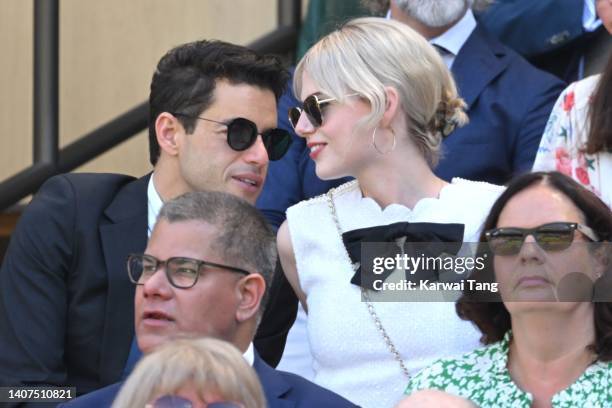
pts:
[313, 108]
[181, 272]
[174, 401]
[242, 134]
[555, 236]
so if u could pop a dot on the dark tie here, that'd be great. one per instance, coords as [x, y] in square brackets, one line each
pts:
[441, 50]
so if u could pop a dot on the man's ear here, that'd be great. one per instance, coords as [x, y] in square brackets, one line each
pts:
[167, 130]
[251, 290]
[392, 106]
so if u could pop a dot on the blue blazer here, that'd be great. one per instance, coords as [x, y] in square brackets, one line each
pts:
[281, 389]
[534, 27]
[508, 100]
[66, 309]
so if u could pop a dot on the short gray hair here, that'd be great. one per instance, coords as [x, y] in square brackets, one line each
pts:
[368, 54]
[244, 238]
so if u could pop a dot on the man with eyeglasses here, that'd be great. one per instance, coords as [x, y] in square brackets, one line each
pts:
[66, 303]
[205, 272]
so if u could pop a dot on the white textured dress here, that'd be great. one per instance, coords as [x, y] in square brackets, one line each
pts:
[350, 356]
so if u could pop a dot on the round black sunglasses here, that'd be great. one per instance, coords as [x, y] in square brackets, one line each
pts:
[242, 134]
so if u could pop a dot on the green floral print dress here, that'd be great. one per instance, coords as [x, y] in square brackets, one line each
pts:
[482, 376]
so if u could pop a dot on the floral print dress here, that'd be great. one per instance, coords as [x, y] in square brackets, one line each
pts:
[565, 135]
[482, 376]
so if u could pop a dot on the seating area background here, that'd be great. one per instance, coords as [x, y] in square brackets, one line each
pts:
[108, 51]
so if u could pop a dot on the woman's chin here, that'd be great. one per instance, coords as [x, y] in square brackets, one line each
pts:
[325, 173]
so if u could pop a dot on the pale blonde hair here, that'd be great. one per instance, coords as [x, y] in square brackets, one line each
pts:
[368, 54]
[205, 363]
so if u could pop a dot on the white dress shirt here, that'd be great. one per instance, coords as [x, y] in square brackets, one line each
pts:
[154, 204]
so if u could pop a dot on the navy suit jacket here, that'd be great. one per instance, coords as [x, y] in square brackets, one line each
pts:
[534, 27]
[549, 33]
[66, 303]
[281, 389]
[508, 100]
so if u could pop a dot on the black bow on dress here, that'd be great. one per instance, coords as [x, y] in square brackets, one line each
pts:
[423, 239]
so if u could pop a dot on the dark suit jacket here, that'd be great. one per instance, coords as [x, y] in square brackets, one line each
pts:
[281, 389]
[508, 100]
[66, 303]
[549, 33]
[534, 28]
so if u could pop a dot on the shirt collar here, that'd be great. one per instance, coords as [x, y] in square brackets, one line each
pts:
[155, 203]
[453, 39]
[249, 355]
[590, 19]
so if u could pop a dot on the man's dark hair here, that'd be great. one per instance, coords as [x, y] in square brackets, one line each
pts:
[185, 79]
[244, 238]
[492, 317]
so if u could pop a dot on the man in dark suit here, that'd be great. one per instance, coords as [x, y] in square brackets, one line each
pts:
[66, 304]
[204, 273]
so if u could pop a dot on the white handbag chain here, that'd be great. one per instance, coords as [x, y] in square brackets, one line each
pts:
[364, 293]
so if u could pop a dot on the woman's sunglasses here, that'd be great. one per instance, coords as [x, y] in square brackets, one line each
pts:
[312, 107]
[242, 134]
[555, 236]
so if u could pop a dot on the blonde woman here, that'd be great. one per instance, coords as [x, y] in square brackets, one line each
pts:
[192, 373]
[377, 101]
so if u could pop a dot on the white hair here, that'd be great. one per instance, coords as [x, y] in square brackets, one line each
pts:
[434, 13]
[380, 7]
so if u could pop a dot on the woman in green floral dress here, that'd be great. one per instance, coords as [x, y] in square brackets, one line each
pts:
[548, 340]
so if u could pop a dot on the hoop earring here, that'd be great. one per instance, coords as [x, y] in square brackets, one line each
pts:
[376, 147]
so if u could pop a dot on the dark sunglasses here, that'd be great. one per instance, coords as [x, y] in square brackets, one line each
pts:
[555, 236]
[242, 134]
[174, 401]
[312, 107]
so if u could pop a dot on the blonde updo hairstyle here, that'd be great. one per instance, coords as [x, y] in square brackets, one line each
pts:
[205, 364]
[368, 54]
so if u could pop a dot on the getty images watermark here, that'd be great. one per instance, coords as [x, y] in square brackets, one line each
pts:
[433, 272]
[445, 262]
